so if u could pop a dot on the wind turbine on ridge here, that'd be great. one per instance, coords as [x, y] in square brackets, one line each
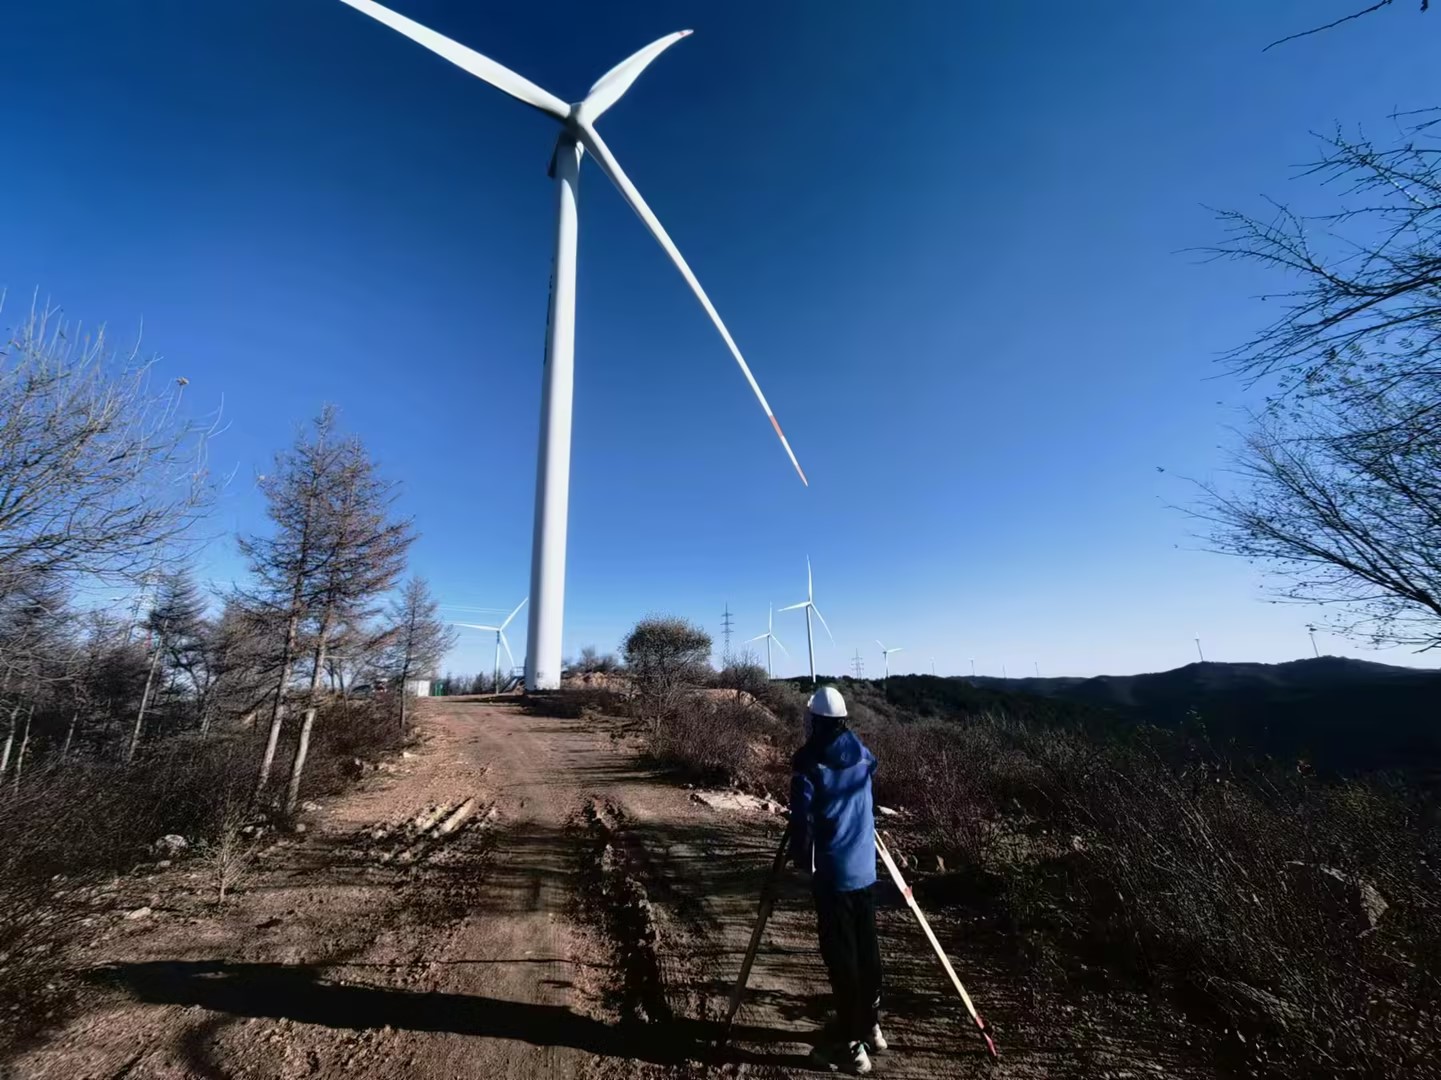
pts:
[886, 653]
[578, 134]
[499, 639]
[809, 603]
[769, 637]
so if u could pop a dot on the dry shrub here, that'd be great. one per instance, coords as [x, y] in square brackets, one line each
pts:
[1303, 914]
[1266, 896]
[723, 739]
[68, 824]
[228, 856]
[344, 732]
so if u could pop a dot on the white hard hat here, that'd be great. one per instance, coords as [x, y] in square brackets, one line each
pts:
[827, 701]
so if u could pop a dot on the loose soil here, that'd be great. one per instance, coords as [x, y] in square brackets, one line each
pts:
[523, 896]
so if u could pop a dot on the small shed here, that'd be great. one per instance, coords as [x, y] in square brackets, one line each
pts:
[418, 687]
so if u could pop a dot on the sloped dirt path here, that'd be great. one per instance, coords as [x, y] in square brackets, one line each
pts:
[580, 917]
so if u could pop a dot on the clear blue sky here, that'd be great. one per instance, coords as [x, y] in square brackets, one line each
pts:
[947, 236]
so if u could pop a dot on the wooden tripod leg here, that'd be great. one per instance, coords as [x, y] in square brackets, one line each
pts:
[763, 912]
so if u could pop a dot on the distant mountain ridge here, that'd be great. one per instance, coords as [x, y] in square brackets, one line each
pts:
[1341, 714]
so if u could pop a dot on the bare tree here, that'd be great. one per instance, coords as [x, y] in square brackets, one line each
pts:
[1346, 504]
[593, 662]
[288, 565]
[1358, 13]
[99, 470]
[1340, 480]
[419, 638]
[361, 552]
[1367, 301]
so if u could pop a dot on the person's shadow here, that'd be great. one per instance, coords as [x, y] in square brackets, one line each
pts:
[300, 993]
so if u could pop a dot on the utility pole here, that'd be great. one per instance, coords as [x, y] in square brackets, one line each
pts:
[726, 633]
[858, 666]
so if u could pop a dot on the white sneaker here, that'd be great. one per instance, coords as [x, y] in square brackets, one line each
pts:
[876, 1041]
[850, 1056]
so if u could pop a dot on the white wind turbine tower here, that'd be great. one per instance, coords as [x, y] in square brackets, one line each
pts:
[769, 636]
[578, 134]
[499, 639]
[809, 603]
[886, 654]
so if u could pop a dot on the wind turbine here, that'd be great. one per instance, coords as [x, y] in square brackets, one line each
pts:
[886, 653]
[578, 134]
[769, 637]
[809, 603]
[1198, 649]
[499, 639]
[1312, 631]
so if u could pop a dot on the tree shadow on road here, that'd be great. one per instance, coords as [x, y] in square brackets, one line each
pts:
[301, 993]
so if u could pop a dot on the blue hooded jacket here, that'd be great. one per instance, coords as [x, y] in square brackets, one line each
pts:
[832, 817]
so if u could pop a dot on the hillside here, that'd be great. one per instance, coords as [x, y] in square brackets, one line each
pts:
[1341, 714]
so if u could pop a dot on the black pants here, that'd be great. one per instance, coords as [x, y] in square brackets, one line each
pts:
[847, 924]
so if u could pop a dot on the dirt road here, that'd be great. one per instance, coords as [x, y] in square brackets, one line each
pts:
[582, 916]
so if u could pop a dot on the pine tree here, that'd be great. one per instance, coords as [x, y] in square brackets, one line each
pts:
[287, 565]
[361, 553]
[419, 638]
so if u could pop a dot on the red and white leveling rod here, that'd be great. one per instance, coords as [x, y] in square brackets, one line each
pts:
[931, 936]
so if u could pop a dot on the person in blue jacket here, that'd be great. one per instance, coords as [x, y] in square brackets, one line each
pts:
[833, 837]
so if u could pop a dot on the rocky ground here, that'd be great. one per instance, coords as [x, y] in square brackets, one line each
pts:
[522, 896]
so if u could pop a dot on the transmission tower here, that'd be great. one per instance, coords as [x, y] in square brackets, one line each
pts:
[858, 665]
[726, 633]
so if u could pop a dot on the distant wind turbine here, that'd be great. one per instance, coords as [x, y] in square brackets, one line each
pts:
[886, 654]
[578, 135]
[1312, 631]
[809, 603]
[1198, 649]
[768, 637]
[973, 667]
[499, 639]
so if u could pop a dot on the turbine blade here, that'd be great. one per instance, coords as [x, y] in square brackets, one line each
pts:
[475, 626]
[608, 165]
[506, 643]
[898, 648]
[879, 642]
[615, 82]
[810, 587]
[823, 623]
[482, 67]
[758, 637]
[779, 646]
[514, 613]
[792, 607]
